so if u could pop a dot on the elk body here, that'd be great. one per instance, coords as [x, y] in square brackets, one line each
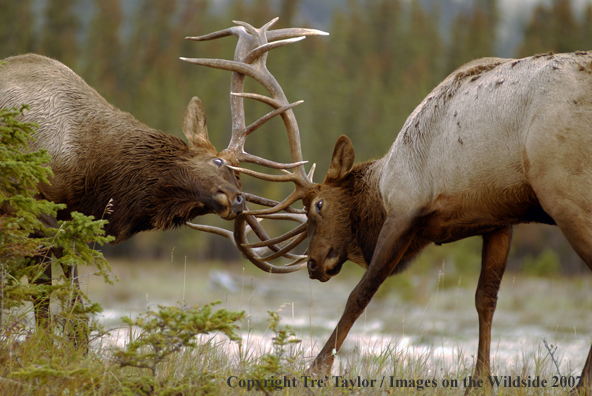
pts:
[499, 142]
[100, 153]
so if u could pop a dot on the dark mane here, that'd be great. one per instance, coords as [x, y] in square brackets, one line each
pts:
[367, 213]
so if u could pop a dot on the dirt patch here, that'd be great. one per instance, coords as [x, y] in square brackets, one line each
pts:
[476, 71]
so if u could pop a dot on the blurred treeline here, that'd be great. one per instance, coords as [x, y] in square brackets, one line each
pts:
[381, 59]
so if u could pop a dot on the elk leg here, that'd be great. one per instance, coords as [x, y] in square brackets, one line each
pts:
[579, 234]
[570, 208]
[41, 302]
[496, 247]
[393, 241]
[561, 177]
[78, 325]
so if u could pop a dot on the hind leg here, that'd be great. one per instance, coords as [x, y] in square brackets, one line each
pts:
[571, 208]
[578, 231]
[573, 217]
[579, 234]
[558, 166]
[77, 325]
[44, 276]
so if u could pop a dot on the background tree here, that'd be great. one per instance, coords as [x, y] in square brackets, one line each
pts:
[16, 27]
[474, 33]
[61, 26]
[380, 61]
[103, 58]
[552, 28]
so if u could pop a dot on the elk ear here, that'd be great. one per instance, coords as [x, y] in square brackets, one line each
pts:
[343, 159]
[194, 124]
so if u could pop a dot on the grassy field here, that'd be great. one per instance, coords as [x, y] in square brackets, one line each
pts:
[419, 335]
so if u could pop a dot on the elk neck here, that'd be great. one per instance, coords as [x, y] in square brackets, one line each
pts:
[367, 212]
[146, 174]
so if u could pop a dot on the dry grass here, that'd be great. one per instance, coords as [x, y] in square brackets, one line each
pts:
[421, 327]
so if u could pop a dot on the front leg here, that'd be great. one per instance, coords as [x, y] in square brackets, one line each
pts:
[77, 326]
[394, 239]
[496, 247]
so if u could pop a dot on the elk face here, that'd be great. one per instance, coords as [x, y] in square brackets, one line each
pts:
[214, 187]
[329, 207]
[219, 189]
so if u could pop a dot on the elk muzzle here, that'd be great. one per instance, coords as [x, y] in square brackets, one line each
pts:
[231, 201]
[325, 268]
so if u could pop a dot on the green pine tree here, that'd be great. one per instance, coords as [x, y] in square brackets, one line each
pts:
[103, 50]
[554, 28]
[23, 235]
[16, 27]
[59, 38]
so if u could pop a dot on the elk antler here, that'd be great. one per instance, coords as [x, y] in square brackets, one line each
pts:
[250, 60]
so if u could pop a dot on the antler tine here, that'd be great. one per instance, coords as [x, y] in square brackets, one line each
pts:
[270, 202]
[303, 182]
[253, 159]
[290, 199]
[212, 230]
[219, 231]
[300, 217]
[281, 34]
[273, 35]
[272, 241]
[284, 251]
[264, 48]
[242, 244]
[233, 31]
[262, 235]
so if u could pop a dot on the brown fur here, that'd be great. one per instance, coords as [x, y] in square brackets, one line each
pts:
[358, 212]
[100, 153]
[476, 71]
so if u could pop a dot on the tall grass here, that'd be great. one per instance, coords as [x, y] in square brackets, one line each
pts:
[37, 363]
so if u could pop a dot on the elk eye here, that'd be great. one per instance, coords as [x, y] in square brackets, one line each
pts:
[218, 162]
[319, 206]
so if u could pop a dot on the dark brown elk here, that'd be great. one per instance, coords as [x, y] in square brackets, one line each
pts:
[100, 153]
[499, 142]
[153, 180]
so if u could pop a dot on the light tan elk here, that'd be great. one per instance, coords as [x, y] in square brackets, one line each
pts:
[499, 142]
[100, 153]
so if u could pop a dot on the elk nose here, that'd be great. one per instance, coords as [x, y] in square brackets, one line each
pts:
[312, 265]
[238, 204]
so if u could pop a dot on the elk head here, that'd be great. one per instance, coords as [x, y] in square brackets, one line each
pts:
[344, 214]
[220, 189]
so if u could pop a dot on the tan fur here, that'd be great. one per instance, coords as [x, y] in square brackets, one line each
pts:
[499, 142]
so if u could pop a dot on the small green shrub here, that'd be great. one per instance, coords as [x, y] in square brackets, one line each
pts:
[164, 333]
